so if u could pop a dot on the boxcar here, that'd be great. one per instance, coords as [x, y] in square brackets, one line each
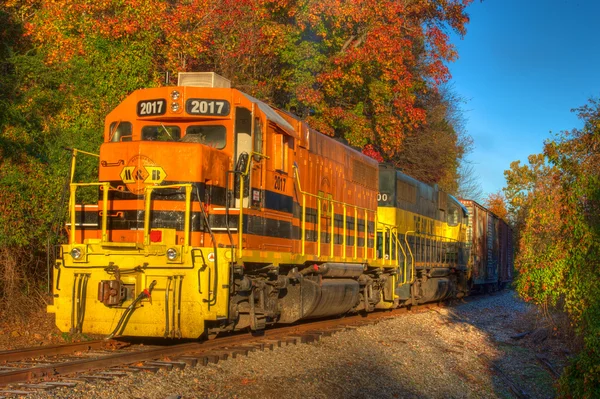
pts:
[491, 249]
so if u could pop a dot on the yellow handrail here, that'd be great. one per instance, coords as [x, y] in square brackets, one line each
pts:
[345, 232]
[241, 214]
[332, 239]
[366, 239]
[332, 201]
[404, 279]
[72, 203]
[74, 160]
[355, 233]
[435, 244]
[399, 245]
[412, 258]
[318, 226]
[393, 233]
[303, 224]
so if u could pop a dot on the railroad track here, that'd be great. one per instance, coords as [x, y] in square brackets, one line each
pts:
[24, 371]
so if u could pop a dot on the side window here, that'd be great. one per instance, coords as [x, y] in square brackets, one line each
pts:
[453, 216]
[278, 151]
[282, 144]
[211, 135]
[161, 133]
[258, 138]
[120, 131]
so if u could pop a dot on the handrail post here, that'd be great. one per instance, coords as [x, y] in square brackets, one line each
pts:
[241, 216]
[332, 239]
[188, 211]
[366, 248]
[391, 252]
[345, 233]
[241, 213]
[105, 188]
[73, 189]
[396, 244]
[318, 227]
[375, 224]
[355, 232]
[147, 202]
[383, 243]
[73, 163]
[412, 274]
[303, 224]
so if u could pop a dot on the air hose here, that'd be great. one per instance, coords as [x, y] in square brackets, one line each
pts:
[130, 309]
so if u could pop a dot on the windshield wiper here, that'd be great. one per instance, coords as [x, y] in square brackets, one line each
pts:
[169, 134]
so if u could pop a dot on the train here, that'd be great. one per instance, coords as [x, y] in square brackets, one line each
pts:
[490, 240]
[214, 212]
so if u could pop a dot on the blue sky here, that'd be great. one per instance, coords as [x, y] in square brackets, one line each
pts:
[523, 65]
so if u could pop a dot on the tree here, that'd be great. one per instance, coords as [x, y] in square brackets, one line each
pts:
[496, 203]
[362, 65]
[469, 185]
[432, 152]
[556, 200]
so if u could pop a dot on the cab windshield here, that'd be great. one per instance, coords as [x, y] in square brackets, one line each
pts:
[161, 133]
[210, 135]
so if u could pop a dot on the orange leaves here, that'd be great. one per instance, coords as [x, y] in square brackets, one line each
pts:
[376, 57]
[372, 152]
[358, 68]
[496, 203]
[67, 28]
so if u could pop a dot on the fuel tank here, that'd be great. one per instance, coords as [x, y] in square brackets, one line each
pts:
[316, 297]
[435, 289]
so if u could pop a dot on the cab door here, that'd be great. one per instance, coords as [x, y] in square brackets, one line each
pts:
[249, 160]
[257, 163]
[243, 152]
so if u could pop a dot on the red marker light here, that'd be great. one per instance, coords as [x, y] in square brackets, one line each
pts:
[155, 236]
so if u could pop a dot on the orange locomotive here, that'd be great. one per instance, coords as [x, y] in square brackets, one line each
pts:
[216, 213]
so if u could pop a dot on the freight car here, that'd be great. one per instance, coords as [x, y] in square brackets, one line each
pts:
[217, 212]
[491, 249]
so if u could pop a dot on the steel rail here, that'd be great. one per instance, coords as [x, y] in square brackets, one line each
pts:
[79, 366]
[308, 329]
[121, 359]
[51, 350]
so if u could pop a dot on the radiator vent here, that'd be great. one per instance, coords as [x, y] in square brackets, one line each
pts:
[202, 79]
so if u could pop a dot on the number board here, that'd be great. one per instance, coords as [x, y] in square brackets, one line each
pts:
[199, 106]
[152, 107]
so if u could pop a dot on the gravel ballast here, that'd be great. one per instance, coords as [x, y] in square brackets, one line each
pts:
[461, 351]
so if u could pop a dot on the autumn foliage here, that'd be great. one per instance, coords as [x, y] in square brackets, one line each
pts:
[360, 70]
[496, 203]
[555, 202]
[366, 71]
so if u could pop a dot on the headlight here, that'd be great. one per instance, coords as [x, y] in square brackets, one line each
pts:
[175, 95]
[172, 254]
[76, 253]
[174, 107]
